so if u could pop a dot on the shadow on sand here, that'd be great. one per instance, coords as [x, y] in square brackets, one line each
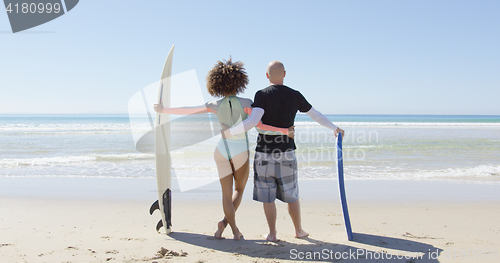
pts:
[317, 250]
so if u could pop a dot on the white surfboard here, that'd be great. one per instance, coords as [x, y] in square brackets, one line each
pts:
[162, 150]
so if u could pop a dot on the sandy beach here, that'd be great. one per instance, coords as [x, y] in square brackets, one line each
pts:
[413, 87]
[107, 220]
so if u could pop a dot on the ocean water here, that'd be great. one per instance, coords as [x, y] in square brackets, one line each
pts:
[377, 147]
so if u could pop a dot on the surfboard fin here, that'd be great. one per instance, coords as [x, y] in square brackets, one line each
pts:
[154, 206]
[159, 225]
[167, 207]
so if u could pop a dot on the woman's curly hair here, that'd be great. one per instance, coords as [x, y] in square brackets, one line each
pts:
[226, 78]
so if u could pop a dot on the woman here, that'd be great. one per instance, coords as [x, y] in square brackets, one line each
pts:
[225, 80]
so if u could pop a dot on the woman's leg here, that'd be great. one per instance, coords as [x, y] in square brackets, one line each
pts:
[224, 170]
[230, 201]
[240, 181]
[240, 178]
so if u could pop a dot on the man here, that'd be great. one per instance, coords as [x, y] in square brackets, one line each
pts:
[275, 164]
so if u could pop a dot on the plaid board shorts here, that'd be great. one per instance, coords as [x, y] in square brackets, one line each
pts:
[275, 176]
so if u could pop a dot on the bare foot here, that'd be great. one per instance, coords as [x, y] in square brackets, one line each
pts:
[238, 236]
[301, 234]
[272, 237]
[220, 228]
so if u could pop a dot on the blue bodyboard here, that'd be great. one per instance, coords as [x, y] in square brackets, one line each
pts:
[343, 200]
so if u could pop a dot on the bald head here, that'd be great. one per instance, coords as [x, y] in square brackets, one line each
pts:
[275, 72]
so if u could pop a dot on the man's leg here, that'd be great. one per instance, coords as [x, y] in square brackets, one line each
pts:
[289, 192]
[265, 189]
[270, 211]
[294, 211]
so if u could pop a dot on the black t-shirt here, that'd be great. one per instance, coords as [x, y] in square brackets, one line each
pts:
[280, 104]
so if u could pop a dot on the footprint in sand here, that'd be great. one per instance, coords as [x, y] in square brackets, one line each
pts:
[167, 253]
[269, 243]
[50, 253]
[134, 239]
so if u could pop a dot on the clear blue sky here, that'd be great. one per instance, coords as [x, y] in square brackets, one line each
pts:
[346, 57]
